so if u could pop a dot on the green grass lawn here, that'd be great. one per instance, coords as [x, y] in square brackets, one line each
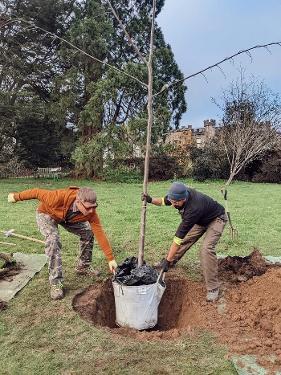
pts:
[39, 336]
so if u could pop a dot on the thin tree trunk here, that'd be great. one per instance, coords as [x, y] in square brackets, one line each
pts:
[148, 138]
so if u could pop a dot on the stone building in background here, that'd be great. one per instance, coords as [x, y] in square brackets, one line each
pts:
[187, 136]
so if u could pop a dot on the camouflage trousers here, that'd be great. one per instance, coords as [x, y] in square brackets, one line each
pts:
[49, 229]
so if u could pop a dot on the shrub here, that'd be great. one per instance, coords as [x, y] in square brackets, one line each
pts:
[270, 171]
[121, 174]
[209, 162]
[163, 167]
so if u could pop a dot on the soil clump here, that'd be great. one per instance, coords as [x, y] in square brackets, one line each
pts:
[9, 271]
[3, 305]
[235, 268]
[246, 318]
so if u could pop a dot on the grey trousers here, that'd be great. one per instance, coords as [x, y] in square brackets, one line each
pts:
[49, 229]
[208, 258]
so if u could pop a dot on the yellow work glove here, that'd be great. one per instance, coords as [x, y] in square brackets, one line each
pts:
[11, 198]
[112, 265]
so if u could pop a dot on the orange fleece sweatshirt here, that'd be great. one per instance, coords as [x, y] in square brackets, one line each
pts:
[56, 203]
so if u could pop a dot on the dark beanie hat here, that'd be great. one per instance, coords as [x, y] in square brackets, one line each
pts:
[177, 191]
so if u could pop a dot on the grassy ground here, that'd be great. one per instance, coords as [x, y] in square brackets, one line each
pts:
[39, 336]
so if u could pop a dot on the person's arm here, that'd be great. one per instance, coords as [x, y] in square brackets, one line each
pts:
[40, 194]
[155, 201]
[103, 241]
[23, 195]
[172, 251]
[170, 256]
[181, 232]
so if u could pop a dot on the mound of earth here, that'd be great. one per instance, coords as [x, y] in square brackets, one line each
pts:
[247, 317]
[9, 271]
[8, 267]
[235, 268]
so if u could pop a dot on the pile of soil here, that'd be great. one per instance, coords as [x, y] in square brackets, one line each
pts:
[9, 271]
[236, 269]
[247, 317]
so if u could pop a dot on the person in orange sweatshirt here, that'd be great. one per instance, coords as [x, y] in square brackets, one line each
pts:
[74, 209]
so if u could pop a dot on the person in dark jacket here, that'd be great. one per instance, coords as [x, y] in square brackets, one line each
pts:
[200, 215]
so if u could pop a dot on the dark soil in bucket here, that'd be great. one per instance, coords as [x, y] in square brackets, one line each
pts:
[246, 318]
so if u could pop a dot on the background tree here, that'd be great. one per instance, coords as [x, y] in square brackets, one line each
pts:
[209, 162]
[270, 168]
[29, 62]
[110, 102]
[251, 119]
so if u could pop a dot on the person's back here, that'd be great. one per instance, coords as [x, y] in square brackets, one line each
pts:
[198, 209]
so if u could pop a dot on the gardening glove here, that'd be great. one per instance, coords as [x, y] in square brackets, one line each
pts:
[146, 197]
[112, 265]
[11, 198]
[165, 265]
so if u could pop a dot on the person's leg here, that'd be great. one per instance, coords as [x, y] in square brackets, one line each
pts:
[49, 229]
[84, 231]
[208, 258]
[192, 236]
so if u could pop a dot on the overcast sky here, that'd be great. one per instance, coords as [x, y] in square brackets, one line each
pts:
[202, 32]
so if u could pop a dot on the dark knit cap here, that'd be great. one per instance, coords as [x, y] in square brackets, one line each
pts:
[177, 191]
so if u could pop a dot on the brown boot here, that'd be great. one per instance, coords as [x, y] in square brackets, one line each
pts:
[57, 291]
[87, 270]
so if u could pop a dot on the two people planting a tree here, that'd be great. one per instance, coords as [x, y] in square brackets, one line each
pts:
[75, 210]
[200, 215]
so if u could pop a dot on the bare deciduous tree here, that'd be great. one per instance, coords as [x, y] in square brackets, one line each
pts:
[250, 123]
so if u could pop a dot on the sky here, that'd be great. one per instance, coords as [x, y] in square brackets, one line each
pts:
[202, 32]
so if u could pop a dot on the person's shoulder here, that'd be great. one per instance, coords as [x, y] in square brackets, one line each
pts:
[192, 193]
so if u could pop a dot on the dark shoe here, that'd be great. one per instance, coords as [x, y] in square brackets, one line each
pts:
[57, 291]
[87, 271]
[212, 295]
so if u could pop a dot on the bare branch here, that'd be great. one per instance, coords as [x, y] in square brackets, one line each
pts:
[204, 77]
[268, 50]
[75, 47]
[221, 70]
[219, 63]
[250, 56]
[130, 40]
